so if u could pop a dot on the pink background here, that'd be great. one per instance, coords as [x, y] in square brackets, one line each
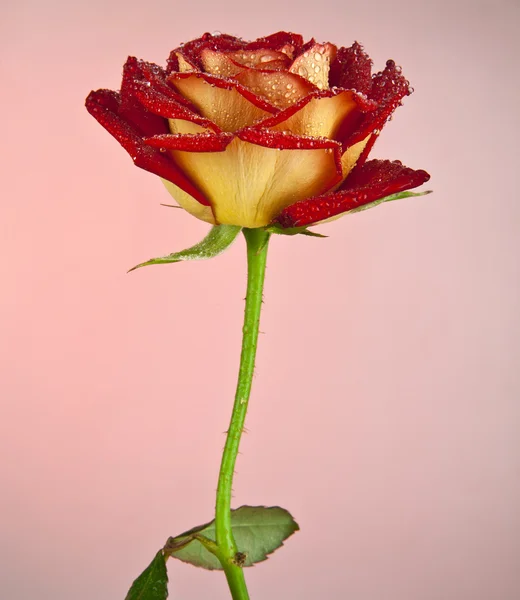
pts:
[385, 409]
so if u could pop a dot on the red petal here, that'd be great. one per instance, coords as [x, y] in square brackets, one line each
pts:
[376, 179]
[159, 104]
[104, 106]
[389, 87]
[150, 75]
[198, 142]
[352, 69]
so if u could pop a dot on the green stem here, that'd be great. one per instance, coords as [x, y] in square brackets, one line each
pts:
[257, 243]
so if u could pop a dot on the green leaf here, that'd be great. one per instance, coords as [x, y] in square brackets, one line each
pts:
[218, 239]
[152, 584]
[258, 531]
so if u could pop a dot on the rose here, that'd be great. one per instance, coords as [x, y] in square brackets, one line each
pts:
[255, 133]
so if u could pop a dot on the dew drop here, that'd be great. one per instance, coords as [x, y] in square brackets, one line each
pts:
[289, 86]
[305, 55]
[302, 71]
[317, 69]
[317, 56]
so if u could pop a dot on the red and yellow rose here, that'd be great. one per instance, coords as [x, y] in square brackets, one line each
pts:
[275, 131]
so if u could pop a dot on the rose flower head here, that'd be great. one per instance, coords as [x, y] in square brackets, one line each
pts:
[274, 132]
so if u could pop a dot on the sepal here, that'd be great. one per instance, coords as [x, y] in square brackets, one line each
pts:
[219, 238]
[277, 228]
[391, 198]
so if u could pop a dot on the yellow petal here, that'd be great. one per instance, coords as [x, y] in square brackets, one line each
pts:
[184, 65]
[182, 126]
[227, 108]
[249, 185]
[280, 88]
[257, 58]
[351, 156]
[319, 117]
[219, 63]
[194, 207]
[314, 64]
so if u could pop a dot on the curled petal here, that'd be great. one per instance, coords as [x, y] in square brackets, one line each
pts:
[375, 179]
[104, 106]
[228, 104]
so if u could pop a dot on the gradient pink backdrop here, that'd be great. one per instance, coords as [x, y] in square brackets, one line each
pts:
[385, 410]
